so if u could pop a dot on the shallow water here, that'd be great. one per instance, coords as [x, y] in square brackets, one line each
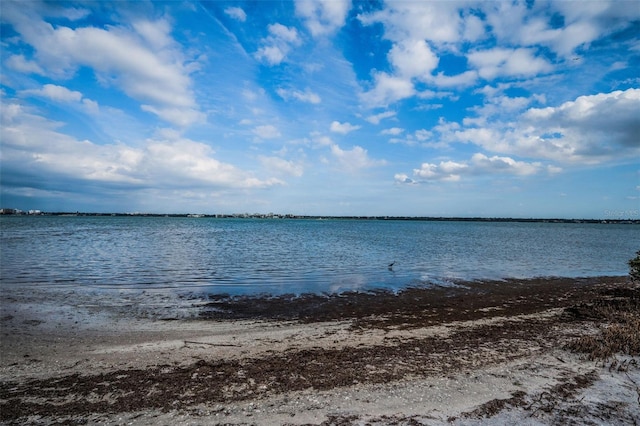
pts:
[278, 256]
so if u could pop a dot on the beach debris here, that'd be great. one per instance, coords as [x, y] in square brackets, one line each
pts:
[191, 342]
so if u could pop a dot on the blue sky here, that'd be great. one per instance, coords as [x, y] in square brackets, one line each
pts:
[523, 109]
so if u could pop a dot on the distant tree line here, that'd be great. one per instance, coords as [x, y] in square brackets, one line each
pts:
[6, 211]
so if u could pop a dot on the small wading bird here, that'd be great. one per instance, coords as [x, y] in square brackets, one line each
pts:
[391, 265]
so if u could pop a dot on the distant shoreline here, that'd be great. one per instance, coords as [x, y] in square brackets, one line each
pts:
[14, 212]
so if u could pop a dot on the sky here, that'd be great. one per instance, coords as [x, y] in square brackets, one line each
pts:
[398, 108]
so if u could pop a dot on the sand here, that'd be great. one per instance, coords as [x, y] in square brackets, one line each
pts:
[473, 353]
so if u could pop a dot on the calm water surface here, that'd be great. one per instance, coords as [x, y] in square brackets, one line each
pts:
[247, 256]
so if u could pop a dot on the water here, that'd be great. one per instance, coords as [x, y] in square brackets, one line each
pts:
[251, 256]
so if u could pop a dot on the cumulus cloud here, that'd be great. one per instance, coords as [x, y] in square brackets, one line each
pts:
[413, 59]
[589, 130]
[156, 34]
[278, 44]
[512, 21]
[35, 148]
[479, 164]
[439, 22]
[55, 93]
[236, 13]
[422, 32]
[403, 178]
[323, 17]
[388, 89]
[499, 62]
[147, 64]
[62, 94]
[343, 128]
[21, 64]
[413, 28]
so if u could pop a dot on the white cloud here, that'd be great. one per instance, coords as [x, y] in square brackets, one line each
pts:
[267, 131]
[479, 164]
[418, 30]
[590, 130]
[465, 79]
[395, 131]
[432, 94]
[413, 59]
[498, 62]
[421, 32]
[278, 44]
[156, 34]
[446, 171]
[387, 89]
[403, 178]
[495, 164]
[323, 17]
[343, 128]
[354, 159]
[423, 134]
[474, 28]
[272, 55]
[307, 96]
[34, 146]
[62, 94]
[90, 106]
[377, 118]
[55, 93]
[438, 22]
[513, 22]
[281, 32]
[21, 64]
[148, 65]
[499, 106]
[236, 13]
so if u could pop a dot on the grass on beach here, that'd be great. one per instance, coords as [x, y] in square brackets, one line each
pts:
[617, 314]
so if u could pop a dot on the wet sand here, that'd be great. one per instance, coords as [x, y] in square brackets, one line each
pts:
[475, 353]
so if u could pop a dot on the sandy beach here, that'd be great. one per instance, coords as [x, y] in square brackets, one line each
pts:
[539, 351]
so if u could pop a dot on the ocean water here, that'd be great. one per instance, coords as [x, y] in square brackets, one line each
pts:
[281, 256]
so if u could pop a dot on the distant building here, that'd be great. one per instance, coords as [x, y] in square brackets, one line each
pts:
[10, 211]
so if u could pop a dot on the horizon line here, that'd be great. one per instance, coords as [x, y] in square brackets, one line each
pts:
[620, 219]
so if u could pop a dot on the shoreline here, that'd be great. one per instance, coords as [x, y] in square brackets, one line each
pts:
[617, 217]
[491, 351]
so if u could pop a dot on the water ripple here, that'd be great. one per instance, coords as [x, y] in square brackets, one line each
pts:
[297, 256]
